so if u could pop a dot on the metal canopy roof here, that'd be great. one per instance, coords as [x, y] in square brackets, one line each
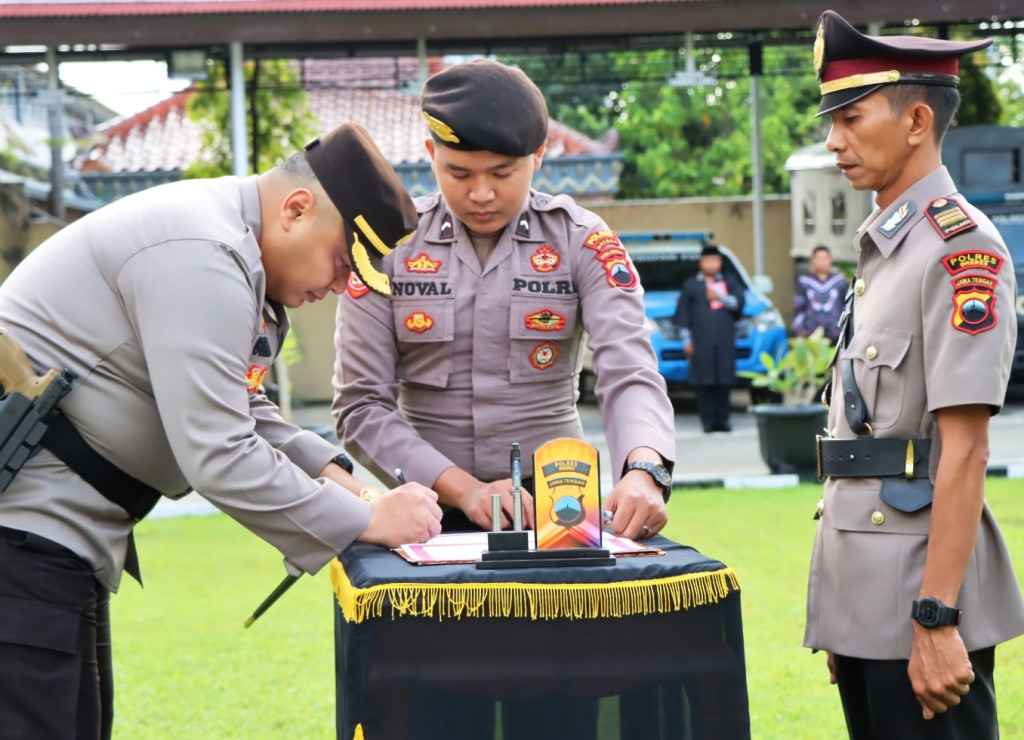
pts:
[390, 24]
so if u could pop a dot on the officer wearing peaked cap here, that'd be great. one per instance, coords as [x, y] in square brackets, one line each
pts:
[911, 585]
[168, 306]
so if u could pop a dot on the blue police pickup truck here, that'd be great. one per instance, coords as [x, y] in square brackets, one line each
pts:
[665, 261]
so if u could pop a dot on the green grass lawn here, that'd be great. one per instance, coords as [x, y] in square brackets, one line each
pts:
[185, 668]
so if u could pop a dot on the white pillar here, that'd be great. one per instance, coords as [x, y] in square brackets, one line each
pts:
[239, 138]
[757, 163]
[55, 116]
[421, 55]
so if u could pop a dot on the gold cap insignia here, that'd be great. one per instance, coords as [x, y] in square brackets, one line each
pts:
[441, 129]
[819, 49]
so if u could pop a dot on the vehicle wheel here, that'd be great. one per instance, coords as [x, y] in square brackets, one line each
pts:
[587, 383]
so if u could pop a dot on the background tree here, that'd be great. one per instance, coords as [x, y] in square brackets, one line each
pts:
[279, 119]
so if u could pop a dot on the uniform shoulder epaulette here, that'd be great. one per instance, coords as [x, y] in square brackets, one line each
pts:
[545, 202]
[948, 217]
[426, 203]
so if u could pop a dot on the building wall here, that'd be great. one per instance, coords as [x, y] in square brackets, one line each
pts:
[729, 219]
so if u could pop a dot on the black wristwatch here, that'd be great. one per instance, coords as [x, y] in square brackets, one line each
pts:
[342, 460]
[931, 613]
[659, 472]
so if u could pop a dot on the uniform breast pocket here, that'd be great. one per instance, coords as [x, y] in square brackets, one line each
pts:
[878, 357]
[424, 330]
[543, 338]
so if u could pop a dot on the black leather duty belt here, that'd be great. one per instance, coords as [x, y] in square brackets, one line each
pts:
[873, 458]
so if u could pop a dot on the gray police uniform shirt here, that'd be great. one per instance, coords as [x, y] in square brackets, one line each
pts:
[464, 360]
[158, 303]
[935, 327]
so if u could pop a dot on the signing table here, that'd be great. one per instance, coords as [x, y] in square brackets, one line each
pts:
[650, 648]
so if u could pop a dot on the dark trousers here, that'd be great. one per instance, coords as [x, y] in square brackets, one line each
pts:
[713, 407]
[56, 677]
[879, 703]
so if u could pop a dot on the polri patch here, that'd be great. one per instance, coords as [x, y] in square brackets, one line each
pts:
[422, 263]
[545, 259]
[948, 218]
[545, 320]
[254, 377]
[544, 355]
[419, 322]
[898, 219]
[972, 259]
[356, 288]
[974, 304]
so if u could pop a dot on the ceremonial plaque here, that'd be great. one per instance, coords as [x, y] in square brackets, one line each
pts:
[567, 495]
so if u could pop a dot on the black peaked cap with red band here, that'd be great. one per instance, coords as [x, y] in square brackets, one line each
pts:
[851, 65]
[366, 190]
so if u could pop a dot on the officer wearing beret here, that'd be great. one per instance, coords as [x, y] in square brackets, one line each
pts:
[478, 344]
[168, 305]
[911, 585]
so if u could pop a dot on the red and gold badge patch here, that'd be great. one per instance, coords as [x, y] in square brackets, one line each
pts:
[545, 320]
[599, 241]
[974, 304]
[545, 259]
[544, 355]
[254, 377]
[972, 259]
[356, 288]
[419, 322]
[422, 263]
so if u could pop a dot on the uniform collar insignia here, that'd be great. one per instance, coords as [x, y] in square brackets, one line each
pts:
[443, 231]
[523, 226]
[897, 219]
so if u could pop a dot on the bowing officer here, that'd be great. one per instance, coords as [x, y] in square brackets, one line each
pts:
[168, 305]
[911, 586]
[478, 344]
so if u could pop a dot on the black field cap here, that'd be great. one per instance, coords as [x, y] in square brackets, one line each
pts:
[485, 105]
[366, 190]
[851, 65]
[710, 250]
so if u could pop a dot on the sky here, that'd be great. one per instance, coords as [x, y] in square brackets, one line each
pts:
[125, 87]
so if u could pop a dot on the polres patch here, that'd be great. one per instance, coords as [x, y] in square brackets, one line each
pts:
[972, 259]
[599, 241]
[974, 304]
[948, 218]
[254, 377]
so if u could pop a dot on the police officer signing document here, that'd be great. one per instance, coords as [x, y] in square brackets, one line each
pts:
[168, 307]
[478, 344]
[911, 585]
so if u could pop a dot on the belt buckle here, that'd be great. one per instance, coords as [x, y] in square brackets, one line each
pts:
[817, 453]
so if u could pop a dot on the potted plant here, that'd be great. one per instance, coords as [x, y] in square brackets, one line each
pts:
[787, 430]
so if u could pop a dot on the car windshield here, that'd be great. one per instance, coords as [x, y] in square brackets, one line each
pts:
[662, 269]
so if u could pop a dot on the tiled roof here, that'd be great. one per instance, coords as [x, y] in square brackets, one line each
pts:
[76, 8]
[162, 137]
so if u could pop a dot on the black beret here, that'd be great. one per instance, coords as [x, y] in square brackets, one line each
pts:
[851, 65]
[485, 105]
[364, 187]
[710, 250]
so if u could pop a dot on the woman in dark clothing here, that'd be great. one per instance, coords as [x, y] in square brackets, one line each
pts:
[708, 309]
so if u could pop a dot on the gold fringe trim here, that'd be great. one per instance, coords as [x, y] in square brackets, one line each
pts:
[535, 601]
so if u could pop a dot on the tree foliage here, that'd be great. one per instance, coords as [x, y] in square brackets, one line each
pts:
[278, 118]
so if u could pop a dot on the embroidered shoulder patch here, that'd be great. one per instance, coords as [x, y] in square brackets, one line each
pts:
[974, 304]
[254, 377]
[599, 241]
[422, 263]
[948, 218]
[897, 219]
[356, 288]
[972, 259]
